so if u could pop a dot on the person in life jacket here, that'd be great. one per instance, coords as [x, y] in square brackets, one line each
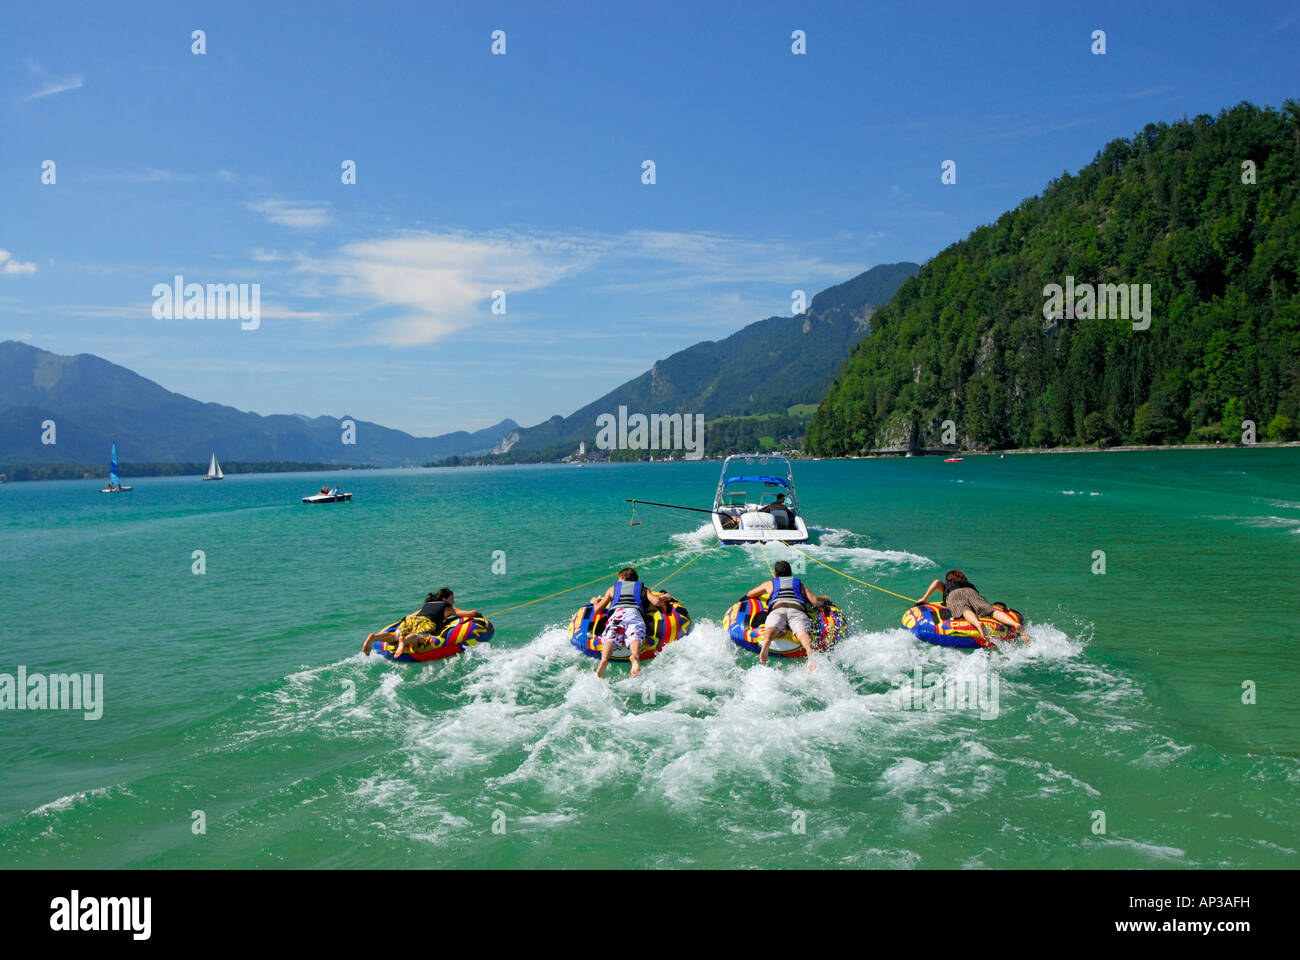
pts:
[788, 603]
[426, 622]
[627, 601]
[964, 602]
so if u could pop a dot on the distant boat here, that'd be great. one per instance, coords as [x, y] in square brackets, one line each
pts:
[114, 481]
[954, 459]
[214, 470]
[330, 497]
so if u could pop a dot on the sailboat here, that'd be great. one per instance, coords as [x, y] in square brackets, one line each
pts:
[114, 481]
[214, 470]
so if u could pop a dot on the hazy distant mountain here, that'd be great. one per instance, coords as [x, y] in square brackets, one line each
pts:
[766, 367]
[93, 402]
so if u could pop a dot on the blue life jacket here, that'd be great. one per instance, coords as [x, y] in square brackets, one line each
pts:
[787, 592]
[634, 597]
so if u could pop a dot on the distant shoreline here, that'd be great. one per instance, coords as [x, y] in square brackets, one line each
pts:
[1131, 448]
[36, 473]
[137, 470]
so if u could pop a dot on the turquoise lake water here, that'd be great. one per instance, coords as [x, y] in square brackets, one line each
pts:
[241, 692]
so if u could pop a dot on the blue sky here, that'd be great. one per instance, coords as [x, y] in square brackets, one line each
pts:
[522, 172]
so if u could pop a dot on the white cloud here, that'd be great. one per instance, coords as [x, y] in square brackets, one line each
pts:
[665, 260]
[225, 176]
[286, 213]
[51, 85]
[1147, 92]
[273, 311]
[11, 267]
[427, 286]
[439, 283]
[144, 175]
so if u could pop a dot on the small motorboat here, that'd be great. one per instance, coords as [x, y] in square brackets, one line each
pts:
[327, 498]
[954, 459]
[746, 508]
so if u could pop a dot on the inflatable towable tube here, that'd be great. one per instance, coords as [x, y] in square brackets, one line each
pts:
[933, 623]
[745, 619]
[456, 634]
[661, 629]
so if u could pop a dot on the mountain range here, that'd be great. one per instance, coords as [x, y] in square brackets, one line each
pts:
[93, 402]
[764, 368]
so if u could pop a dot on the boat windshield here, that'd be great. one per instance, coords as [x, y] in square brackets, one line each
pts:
[764, 477]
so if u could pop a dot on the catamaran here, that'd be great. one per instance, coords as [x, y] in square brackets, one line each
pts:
[114, 481]
[756, 501]
[214, 470]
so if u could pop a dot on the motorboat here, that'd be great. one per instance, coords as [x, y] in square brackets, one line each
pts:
[756, 501]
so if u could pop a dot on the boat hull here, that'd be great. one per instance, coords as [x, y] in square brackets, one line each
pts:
[328, 498]
[729, 536]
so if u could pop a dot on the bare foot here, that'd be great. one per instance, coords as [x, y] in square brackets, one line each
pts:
[401, 648]
[812, 664]
[365, 647]
[636, 667]
[600, 671]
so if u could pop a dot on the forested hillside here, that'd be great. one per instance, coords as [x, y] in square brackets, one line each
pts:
[765, 368]
[1204, 210]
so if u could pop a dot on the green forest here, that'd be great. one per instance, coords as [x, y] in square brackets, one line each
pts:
[1204, 210]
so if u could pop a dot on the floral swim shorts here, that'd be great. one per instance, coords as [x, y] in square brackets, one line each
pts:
[625, 625]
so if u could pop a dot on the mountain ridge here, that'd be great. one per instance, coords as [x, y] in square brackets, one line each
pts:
[94, 401]
[746, 373]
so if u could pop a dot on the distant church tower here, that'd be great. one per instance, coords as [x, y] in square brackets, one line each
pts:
[582, 448]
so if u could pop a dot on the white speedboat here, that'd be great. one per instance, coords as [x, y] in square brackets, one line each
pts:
[756, 501]
[327, 498]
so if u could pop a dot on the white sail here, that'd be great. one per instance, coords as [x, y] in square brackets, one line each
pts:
[214, 470]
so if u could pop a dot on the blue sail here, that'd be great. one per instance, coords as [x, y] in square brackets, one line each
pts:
[112, 468]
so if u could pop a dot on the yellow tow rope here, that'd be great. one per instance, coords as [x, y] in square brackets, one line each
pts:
[603, 576]
[682, 567]
[847, 576]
